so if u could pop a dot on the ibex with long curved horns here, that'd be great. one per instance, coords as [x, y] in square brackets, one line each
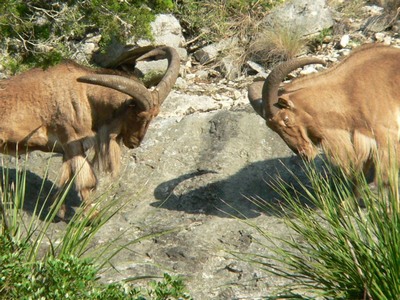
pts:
[56, 110]
[352, 111]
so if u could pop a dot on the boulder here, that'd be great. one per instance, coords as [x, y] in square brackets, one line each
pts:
[166, 30]
[304, 16]
[227, 52]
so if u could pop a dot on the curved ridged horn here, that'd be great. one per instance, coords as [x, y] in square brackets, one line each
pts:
[164, 87]
[137, 90]
[254, 94]
[274, 79]
[124, 85]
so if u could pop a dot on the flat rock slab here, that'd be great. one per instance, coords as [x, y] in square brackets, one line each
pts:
[194, 174]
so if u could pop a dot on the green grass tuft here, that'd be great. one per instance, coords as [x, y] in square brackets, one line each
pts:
[337, 249]
[36, 265]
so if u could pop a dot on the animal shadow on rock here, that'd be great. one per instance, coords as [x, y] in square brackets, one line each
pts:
[39, 192]
[201, 192]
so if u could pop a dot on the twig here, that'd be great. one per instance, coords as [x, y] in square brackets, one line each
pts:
[194, 39]
[360, 272]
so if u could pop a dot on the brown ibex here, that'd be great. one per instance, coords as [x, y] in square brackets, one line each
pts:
[56, 110]
[351, 111]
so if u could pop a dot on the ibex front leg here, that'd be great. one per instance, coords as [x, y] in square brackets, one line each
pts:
[76, 167]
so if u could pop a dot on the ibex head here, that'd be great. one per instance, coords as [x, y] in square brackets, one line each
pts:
[295, 126]
[144, 104]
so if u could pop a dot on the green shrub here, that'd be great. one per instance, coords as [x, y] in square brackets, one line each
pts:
[40, 32]
[170, 288]
[70, 278]
[320, 38]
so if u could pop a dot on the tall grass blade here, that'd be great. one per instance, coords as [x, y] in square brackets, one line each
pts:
[337, 249]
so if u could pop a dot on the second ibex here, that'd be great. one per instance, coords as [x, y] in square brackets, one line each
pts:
[351, 111]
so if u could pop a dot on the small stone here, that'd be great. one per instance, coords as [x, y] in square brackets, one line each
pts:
[206, 54]
[344, 41]
[237, 94]
[256, 67]
[380, 36]
[95, 39]
[308, 70]
[387, 40]
[181, 83]
[327, 39]
[202, 74]
[233, 267]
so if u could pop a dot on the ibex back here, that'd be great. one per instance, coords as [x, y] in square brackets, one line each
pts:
[352, 110]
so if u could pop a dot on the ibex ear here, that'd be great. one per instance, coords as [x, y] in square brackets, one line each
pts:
[284, 102]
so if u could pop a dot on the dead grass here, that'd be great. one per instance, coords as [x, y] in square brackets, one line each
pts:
[348, 9]
[276, 45]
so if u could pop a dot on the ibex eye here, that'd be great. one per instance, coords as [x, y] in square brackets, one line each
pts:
[286, 119]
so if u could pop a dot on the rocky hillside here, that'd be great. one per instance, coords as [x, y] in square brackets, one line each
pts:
[207, 155]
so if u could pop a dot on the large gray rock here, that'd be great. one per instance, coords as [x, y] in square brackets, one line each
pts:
[166, 30]
[303, 16]
[227, 53]
[210, 52]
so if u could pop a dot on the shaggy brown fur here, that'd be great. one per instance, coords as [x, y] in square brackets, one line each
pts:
[352, 110]
[54, 110]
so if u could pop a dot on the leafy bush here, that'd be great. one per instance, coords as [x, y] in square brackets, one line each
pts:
[337, 249]
[41, 32]
[53, 278]
[70, 278]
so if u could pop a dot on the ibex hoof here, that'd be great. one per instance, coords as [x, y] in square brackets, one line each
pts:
[90, 214]
[62, 214]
